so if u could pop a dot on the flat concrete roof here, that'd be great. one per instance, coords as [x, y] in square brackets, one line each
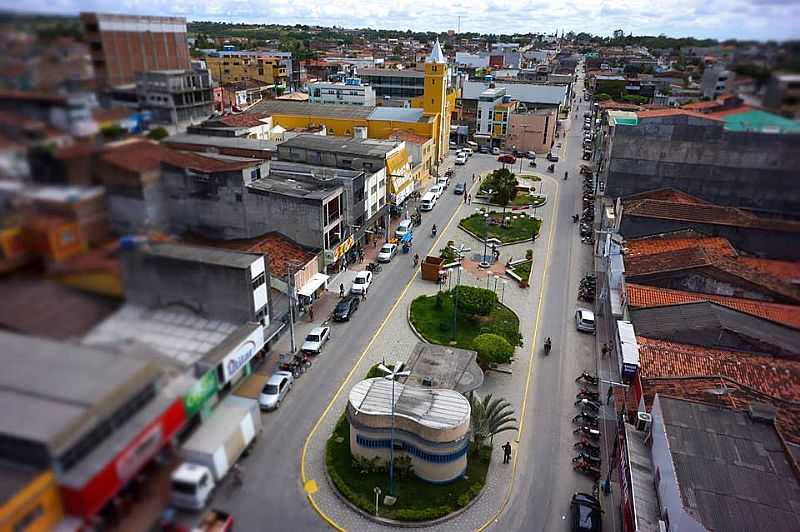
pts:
[391, 72]
[201, 254]
[398, 114]
[293, 108]
[439, 366]
[279, 183]
[311, 171]
[440, 409]
[345, 145]
[51, 391]
[524, 92]
[222, 142]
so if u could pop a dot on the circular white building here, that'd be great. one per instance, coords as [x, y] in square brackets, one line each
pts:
[432, 426]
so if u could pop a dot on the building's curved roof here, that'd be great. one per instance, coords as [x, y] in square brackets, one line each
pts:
[439, 409]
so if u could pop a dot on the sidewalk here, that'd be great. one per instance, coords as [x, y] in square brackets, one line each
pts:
[395, 340]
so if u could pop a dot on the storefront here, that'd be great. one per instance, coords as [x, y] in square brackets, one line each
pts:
[231, 359]
[312, 289]
[89, 486]
[333, 257]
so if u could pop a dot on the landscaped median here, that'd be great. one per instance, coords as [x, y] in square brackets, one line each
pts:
[508, 228]
[520, 270]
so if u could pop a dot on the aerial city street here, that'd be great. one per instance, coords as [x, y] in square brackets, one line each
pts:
[269, 274]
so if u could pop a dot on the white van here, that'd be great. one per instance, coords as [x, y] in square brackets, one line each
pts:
[427, 202]
[402, 228]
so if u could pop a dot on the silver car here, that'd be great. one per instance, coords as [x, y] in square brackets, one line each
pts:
[315, 340]
[275, 390]
[387, 252]
[584, 320]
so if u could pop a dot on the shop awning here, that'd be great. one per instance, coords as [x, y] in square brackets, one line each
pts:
[397, 162]
[313, 284]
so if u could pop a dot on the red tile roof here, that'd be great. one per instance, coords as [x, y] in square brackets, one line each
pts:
[774, 376]
[642, 296]
[668, 194]
[650, 245]
[135, 155]
[734, 111]
[279, 250]
[726, 393]
[200, 163]
[410, 137]
[242, 120]
[697, 257]
[657, 113]
[779, 268]
[79, 149]
[697, 106]
[704, 213]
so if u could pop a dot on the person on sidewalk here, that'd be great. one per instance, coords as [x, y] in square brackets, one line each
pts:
[311, 312]
[609, 394]
[507, 452]
[604, 350]
[341, 289]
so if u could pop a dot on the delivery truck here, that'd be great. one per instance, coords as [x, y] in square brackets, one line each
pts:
[213, 449]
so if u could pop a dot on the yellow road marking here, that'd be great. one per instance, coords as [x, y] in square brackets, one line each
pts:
[306, 482]
[534, 343]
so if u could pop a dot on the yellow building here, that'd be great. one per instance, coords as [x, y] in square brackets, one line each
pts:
[34, 505]
[429, 115]
[230, 67]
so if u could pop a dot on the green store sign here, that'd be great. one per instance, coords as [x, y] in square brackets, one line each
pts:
[200, 393]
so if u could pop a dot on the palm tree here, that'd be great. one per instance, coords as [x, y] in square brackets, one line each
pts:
[489, 417]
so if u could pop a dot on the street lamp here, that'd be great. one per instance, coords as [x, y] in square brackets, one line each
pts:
[455, 299]
[496, 278]
[485, 263]
[392, 374]
[504, 291]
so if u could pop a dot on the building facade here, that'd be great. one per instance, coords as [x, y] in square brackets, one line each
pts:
[350, 92]
[783, 95]
[175, 97]
[389, 83]
[532, 131]
[229, 67]
[123, 45]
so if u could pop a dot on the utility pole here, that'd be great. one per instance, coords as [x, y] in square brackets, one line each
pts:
[291, 269]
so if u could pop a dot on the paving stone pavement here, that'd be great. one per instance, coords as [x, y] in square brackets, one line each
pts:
[395, 340]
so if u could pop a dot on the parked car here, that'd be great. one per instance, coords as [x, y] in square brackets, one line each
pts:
[586, 513]
[461, 159]
[361, 283]
[436, 190]
[484, 149]
[531, 155]
[467, 151]
[507, 159]
[387, 252]
[453, 145]
[459, 189]
[402, 228]
[345, 308]
[584, 320]
[495, 151]
[316, 339]
[552, 157]
[275, 390]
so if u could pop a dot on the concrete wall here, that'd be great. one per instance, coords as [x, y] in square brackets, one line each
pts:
[666, 480]
[771, 244]
[134, 210]
[227, 209]
[216, 292]
[756, 171]
[531, 132]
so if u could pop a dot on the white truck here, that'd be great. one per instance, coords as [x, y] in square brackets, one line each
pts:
[213, 449]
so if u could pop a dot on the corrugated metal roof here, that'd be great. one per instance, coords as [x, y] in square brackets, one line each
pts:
[524, 92]
[396, 114]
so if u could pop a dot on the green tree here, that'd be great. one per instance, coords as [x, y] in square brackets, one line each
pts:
[489, 416]
[492, 349]
[158, 134]
[112, 132]
[473, 300]
[504, 186]
[601, 97]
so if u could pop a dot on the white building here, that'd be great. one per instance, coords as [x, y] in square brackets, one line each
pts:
[486, 105]
[468, 60]
[351, 92]
[431, 426]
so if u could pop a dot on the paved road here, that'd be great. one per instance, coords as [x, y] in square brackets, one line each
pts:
[540, 499]
[272, 497]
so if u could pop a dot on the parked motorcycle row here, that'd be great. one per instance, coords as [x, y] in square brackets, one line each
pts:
[587, 216]
[587, 401]
[297, 364]
[587, 288]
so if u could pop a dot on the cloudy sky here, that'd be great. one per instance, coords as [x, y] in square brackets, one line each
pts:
[742, 19]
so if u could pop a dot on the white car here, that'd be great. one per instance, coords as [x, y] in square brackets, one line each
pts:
[361, 283]
[316, 339]
[436, 190]
[584, 320]
[387, 252]
[467, 151]
[275, 390]
[461, 159]
[402, 228]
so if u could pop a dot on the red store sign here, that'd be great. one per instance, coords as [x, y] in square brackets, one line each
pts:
[92, 496]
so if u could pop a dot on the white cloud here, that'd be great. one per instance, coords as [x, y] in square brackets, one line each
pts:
[743, 19]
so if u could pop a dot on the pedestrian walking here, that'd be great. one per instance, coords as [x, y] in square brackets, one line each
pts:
[466, 196]
[469, 199]
[604, 350]
[507, 452]
[237, 475]
[363, 295]
[341, 289]
[473, 179]
[311, 312]
[610, 393]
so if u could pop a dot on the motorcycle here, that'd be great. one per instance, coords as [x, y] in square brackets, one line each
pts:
[433, 231]
[585, 403]
[586, 447]
[586, 458]
[586, 421]
[551, 168]
[588, 432]
[575, 218]
[588, 377]
[586, 394]
[588, 469]
[547, 346]
[565, 175]
[533, 164]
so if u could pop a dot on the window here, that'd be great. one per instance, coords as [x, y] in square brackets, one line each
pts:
[238, 197]
[259, 280]
[255, 174]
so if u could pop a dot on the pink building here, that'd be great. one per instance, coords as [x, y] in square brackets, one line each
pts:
[532, 131]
